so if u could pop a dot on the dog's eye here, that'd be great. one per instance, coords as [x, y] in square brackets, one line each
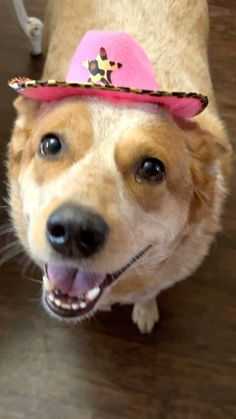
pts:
[151, 169]
[50, 145]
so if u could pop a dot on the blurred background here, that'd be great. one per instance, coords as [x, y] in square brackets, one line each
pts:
[104, 369]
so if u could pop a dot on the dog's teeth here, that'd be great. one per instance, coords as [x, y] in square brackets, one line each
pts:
[57, 302]
[82, 304]
[93, 293]
[75, 306]
[51, 297]
[66, 306]
[47, 284]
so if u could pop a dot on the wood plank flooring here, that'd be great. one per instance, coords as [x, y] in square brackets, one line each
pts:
[104, 369]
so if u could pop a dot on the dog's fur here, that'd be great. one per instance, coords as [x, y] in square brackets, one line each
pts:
[181, 216]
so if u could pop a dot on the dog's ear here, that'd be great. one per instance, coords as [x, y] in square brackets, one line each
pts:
[27, 110]
[208, 153]
[210, 146]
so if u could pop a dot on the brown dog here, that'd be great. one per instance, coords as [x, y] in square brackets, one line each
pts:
[117, 202]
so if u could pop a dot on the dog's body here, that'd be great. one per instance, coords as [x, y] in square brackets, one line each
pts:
[178, 219]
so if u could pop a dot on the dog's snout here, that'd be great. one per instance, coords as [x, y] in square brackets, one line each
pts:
[76, 231]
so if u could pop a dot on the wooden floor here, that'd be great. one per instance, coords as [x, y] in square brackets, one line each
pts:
[105, 370]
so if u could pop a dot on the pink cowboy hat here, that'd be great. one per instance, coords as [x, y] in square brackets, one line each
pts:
[111, 65]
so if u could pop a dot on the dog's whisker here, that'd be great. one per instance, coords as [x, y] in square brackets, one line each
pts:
[10, 255]
[4, 225]
[37, 281]
[5, 207]
[32, 268]
[6, 230]
[33, 299]
[13, 243]
[26, 263]
[10, 250]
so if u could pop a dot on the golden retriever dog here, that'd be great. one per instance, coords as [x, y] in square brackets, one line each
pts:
[118, 200]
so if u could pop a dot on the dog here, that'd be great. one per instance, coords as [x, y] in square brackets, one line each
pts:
[116, 187]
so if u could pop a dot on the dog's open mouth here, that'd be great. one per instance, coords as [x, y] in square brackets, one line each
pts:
[79, 290]
[64, 305]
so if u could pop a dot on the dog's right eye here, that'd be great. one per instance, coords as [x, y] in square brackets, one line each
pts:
[50, 145]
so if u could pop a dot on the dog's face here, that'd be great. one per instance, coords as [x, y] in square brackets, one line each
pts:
[96, 187]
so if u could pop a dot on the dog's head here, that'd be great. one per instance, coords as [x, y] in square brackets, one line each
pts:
[95, 187]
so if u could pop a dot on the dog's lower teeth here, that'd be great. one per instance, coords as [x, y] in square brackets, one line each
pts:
[51, 297]
[57, 302]
[93, 293]
[66, 306]
[47, 285]
[69, 305]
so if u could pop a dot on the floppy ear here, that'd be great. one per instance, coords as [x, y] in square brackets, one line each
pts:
[210, 154]
[27, 110]
[217, 143]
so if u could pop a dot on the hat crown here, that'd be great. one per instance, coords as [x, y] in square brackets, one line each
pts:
[111, 58]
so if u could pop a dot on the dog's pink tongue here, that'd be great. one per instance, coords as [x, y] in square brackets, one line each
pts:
[72, 281]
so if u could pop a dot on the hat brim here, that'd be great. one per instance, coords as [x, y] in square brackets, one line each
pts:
[185, 105]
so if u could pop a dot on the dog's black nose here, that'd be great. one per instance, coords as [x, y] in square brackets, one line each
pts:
[76, 231]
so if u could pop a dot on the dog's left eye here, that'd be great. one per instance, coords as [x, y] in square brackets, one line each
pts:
[50, 145]
[151, 170]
